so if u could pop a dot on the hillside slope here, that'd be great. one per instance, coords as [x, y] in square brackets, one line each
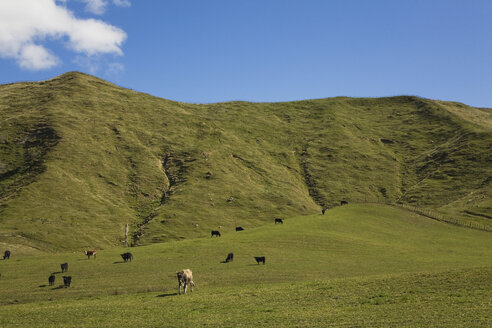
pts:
[80, 158]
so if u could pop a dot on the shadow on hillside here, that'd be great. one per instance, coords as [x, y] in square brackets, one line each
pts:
[166, 295]
[117, 262]
[41, 286]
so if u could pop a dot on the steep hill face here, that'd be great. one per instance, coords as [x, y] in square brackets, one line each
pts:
[80, 158]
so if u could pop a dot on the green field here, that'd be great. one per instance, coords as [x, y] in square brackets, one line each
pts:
[358, 265]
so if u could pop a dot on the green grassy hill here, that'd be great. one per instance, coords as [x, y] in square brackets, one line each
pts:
[358, 265]
[80, 158]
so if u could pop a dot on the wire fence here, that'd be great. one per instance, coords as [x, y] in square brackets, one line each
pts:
[443, 218]
[429, 213]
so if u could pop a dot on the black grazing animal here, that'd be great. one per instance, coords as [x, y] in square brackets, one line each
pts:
[67, 280]
[6, 255]
[215, 233]
[279, 220]
[239, 228]
[64, 267]
[51, 280]
[260, 259]
[230, 258]
[323, 211]
[343, 202]
[127, 256]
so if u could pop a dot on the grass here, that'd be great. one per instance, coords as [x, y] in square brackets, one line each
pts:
[80, 158]
[358, 265]
[347, 241]
[449, 299]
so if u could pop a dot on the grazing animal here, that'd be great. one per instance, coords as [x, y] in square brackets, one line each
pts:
[215, 233]
[64, 267]
[67, 280]
[230, 258]
[185, 278]
[343, 202]
[127, 256]
[323, 211]
[279, 220]
[51, 280]
[239, 228]
[90, 253]
[260, 259]
[6, 255]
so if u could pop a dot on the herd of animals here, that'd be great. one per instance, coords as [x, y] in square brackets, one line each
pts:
[185, 276]
[67, 280]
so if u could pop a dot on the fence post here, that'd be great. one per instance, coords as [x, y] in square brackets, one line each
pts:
[126, 235]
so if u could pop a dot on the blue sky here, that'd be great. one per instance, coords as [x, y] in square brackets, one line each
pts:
[257, 50]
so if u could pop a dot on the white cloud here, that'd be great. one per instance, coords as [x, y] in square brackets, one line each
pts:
[90, 63]
[122, 3]
[35, 57]
[97, 7]
[24, 24]
[114, 69]
[93, 36]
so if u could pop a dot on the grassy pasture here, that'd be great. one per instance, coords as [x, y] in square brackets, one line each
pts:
[448, 299]
[358, 265]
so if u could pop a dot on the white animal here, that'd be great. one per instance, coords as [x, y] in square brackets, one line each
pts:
[185, 278]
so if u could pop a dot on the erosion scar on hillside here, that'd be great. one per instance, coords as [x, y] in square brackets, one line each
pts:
[175, 166]
[309, 180]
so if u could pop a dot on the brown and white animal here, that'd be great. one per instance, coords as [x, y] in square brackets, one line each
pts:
[185, 278]
[90, 253]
